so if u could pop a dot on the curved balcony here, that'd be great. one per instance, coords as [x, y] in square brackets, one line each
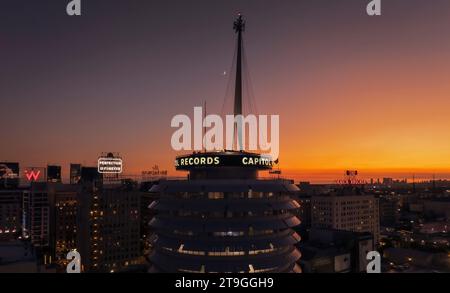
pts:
[206, 226]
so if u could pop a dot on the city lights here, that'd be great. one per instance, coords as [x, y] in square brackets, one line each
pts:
[224, 144]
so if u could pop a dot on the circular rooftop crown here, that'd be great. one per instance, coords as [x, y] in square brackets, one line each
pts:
[223, 159]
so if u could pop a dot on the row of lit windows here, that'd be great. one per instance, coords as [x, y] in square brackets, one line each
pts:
[250, 270]
[224, 195]
[227, 252]
[250, 232]
[7, 230]
[224, 214]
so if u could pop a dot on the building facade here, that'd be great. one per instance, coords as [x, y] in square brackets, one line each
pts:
[109, 227]
[10, 213]
[224, 219]
[347, 212]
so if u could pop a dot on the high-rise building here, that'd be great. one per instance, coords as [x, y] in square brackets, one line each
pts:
[50, 213]
[147, 214]
[347, 211]
[102, 222]
[223, 218]
[109, 227]
[36, 214]
[9, 175]
[10, 213]
[63, 213]
[389, 211]
[75, 173]
[53, 173]
[304, 214]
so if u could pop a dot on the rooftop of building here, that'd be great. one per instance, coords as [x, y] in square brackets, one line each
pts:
[15, 251]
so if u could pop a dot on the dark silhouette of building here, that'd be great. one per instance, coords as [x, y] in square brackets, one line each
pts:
[10, 213]
[75, 173]
[50, 214]
[53, 173]
[336, 251]
[304, 214]
[389, 213]
[147, 214]
[9, 175]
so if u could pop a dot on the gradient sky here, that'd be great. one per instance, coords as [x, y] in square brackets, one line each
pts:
[352, 91]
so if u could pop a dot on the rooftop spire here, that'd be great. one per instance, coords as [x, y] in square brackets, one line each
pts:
[239, 24]
[239, 27]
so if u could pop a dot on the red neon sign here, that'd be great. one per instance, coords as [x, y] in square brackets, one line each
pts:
[32, 175]
[352, 181]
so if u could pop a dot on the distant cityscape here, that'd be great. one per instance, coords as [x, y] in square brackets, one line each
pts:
[350, 91]
[111, 220]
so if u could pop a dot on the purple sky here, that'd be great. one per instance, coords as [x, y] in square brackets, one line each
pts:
[112, 79]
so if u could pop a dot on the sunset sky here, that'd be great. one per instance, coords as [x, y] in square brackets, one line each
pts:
[352, 91]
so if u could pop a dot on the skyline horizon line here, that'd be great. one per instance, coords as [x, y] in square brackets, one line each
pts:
[312, 175]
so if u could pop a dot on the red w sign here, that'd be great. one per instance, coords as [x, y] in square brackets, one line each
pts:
[32, 175]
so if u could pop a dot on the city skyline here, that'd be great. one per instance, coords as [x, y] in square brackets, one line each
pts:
[140, 142]
[376, 102]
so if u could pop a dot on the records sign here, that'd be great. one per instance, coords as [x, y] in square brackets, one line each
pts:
[224, 159]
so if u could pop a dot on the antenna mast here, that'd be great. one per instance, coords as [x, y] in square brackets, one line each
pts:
[204, 127]
[239, 27]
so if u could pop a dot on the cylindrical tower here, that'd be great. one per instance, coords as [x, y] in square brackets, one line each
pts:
[224, 219]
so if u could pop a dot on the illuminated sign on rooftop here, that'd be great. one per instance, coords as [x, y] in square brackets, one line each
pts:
[109, 165]
[224, 159]
[35, 174]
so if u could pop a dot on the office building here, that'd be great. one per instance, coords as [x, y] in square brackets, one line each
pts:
[9, 175]
[347, 211]
[75, 173]
[389, 211]
[50, 213]
[10, 213]
[147, 214]
[335, 251]
[304, 214]
[109, 226]
[53, 173]
[36, 214]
